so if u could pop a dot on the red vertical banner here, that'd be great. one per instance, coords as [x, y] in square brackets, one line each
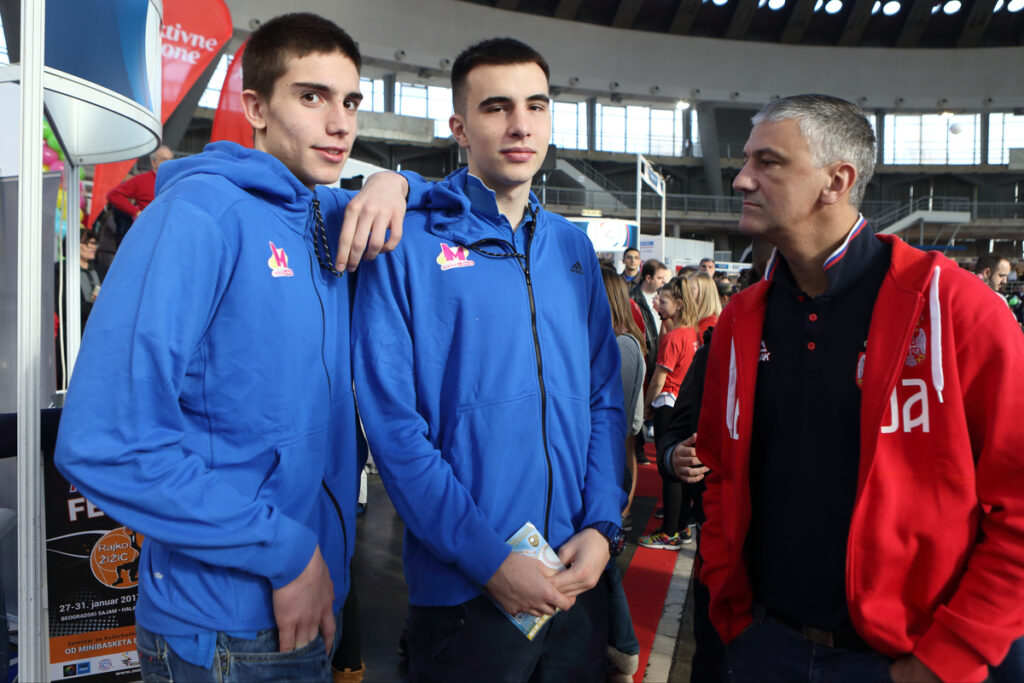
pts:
[229, 123]
[193, 34]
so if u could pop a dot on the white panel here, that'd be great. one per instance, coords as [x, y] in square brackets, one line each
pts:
[10, 116]
[1016, 159]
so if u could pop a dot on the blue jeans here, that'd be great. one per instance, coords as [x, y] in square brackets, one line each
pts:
[621, 635]
[768, 651]
[236, 660]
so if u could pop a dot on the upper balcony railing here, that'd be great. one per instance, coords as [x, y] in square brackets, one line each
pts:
[879, 213]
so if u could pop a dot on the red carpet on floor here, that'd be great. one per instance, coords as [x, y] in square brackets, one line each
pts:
[648, 481]
[649, 573]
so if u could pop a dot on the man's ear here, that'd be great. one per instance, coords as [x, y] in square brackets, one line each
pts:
[457, 124]
[254, 108]
[842, 176]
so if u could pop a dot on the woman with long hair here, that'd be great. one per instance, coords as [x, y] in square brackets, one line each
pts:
[623, 647]
[631, 349]
[678, 343]
[709, 303]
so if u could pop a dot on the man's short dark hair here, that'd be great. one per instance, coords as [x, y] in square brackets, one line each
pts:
[651, 266]
[85, 236]
[492, 52]
[707, 260]
[291, 35]
[990, 260]
[629, 249]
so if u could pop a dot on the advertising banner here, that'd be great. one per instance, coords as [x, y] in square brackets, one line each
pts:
[92, 567]
[651, 176]
[229, 123]
[193, 35]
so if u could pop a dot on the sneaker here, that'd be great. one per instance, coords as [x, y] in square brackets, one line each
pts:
[659, 512]
[659, 539]
[624, 663]
[685, 535]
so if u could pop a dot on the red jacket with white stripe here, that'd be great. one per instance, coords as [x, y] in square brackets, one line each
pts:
[935, 552]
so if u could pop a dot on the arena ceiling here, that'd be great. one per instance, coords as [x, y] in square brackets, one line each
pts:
[848, 23]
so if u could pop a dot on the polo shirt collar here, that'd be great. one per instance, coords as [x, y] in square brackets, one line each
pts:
[847, 263]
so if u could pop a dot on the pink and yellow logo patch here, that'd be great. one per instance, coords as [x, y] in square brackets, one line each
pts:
[453, 258]
[278, 262]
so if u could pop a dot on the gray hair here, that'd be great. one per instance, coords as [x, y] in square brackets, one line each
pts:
[835, 130]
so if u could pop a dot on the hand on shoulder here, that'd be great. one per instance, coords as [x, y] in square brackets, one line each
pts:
[378, 208]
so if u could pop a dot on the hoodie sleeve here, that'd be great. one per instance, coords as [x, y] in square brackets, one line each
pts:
[122, 433]
[603, 496]
[985, 612]
[725, 578]
[436, 507]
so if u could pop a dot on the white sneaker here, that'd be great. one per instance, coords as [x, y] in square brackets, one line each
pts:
[627, 664]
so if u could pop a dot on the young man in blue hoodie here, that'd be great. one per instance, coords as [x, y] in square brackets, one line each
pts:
[488, 381]
[211, 408]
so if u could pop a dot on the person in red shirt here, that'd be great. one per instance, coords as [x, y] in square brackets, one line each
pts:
[135, 193]
[678, 310]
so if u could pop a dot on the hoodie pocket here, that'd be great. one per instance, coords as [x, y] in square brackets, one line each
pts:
[569, 434]
[496, 450]
[293, 481]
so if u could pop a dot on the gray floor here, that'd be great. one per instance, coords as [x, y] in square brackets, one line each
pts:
[378, 578]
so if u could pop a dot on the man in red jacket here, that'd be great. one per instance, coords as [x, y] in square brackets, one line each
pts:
[864, 516]
[135, 193]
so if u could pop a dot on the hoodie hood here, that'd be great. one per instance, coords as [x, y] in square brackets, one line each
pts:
[256, 172]
[447, 204]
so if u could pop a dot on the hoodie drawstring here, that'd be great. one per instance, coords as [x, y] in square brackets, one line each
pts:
[476, 246]
[935, 317]
[320, 241]
[732, 405]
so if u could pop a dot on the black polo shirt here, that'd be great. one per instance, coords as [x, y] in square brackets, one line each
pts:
[806, 435]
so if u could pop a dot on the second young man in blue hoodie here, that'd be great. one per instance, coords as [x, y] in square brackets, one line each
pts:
[488, 381]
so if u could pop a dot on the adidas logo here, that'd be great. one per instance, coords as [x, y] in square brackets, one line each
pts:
[577, 268]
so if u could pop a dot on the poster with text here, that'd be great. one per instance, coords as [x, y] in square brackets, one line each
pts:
[92, 567]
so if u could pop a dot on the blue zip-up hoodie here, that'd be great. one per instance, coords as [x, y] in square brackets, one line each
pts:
[487, 377]
[211, 407]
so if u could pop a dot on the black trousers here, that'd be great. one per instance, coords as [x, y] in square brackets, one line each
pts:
[675, 494]
[475, 642]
